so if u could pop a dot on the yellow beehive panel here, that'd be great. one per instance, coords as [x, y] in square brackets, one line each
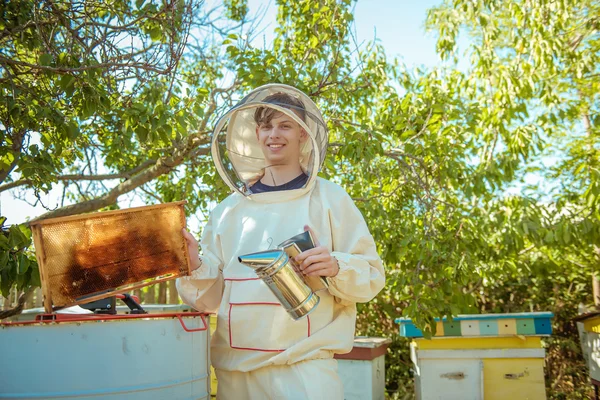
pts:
[439, 328]
[507, 327]
[513, 342]
[506, 378]
[592, 325]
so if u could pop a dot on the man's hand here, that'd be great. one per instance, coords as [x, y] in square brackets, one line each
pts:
[192, 248]
[317, 261]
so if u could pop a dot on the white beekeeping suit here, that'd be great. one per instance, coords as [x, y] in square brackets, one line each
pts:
[258, 351]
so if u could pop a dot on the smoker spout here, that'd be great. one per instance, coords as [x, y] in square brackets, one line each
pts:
[261, 259]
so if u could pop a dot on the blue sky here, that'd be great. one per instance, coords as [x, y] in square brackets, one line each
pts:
[398, 24]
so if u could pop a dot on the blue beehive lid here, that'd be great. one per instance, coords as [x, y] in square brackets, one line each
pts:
[469, 325]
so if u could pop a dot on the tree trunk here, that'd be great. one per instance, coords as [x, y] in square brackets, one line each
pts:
[173, 295]
[596, 289]
[162, 293]
[150, 297]
[10, 299]
[587, 125]
[138, 293]
[29, 300]
[39, 297]
[19, 306]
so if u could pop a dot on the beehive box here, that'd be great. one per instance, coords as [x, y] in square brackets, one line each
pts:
[480, 357]
[588, 326]
[362, 370]
[87, 257]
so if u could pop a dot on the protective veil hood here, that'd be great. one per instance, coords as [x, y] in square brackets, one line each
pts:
[236, 151]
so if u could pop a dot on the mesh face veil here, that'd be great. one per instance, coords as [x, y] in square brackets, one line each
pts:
[236, 150]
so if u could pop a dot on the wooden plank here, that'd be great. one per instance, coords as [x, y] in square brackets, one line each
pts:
[514, 379]
[362, 353]
[184, 223]
[102, 214]
[38, 243]
[450, 379]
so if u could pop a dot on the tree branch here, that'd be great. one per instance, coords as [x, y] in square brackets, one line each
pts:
[65, 70]
[20, 305]
[192, 145]
[82, 177]
[161, 167]
[17, 145]
[378, 196]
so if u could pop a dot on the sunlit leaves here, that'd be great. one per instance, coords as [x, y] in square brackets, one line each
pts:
[17, 267]
[72, 77]
[236, 9]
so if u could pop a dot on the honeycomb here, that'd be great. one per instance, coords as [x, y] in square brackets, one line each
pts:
[111, 251]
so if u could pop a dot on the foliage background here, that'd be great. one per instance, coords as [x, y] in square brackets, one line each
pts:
[106, 100]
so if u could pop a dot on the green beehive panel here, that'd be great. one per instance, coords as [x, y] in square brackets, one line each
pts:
[488, 327]
[525, 327]
[452, 328]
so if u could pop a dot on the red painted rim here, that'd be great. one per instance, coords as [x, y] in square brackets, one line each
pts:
[63, 318]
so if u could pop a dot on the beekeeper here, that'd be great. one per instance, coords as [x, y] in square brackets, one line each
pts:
[269, 149]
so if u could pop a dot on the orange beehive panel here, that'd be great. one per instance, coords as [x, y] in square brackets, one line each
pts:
[97, 255]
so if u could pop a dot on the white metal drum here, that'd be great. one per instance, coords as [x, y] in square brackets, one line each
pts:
[152, 357]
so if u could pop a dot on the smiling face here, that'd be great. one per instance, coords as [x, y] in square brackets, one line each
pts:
[281, 140]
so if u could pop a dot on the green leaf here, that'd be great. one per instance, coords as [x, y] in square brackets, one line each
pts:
[63, 58]
[4, 259]
[89, 108]
[66, 83]
[155, 33]
[566, 234]
[72, 130]
[23, 264]
[35, 277]
[5, 283]
[314, 41]
[141, 133]
[16, 238]
[4, 244]
[45, 59]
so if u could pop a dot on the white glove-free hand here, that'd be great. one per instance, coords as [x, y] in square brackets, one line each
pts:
[193, 249]
[317, 261]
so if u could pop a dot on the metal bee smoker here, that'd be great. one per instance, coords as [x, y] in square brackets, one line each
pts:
[276, 270]
[296, 245]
